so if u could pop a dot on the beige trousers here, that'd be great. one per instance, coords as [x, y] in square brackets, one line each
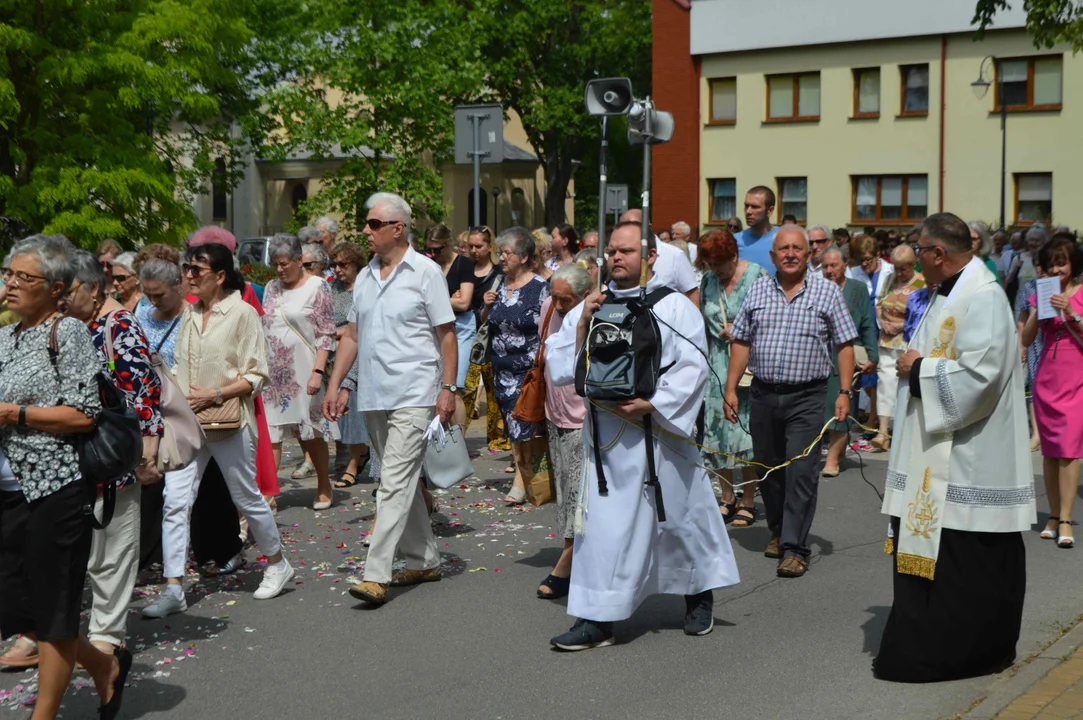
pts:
[113, 566]
[402, 521]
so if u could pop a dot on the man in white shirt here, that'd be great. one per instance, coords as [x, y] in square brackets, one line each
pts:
[681, 230]
[671, 266]
[402, 333]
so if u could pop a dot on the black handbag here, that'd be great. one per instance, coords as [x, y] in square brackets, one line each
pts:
[113, 448]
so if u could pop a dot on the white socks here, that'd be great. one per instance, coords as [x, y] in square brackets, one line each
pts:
[176, 591]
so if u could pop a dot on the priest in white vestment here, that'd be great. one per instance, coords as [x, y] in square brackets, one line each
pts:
[959, 487]
[622, 552]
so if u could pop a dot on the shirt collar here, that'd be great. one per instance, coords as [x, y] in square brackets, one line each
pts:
[410, 260]
[223, 306]
[947, 285]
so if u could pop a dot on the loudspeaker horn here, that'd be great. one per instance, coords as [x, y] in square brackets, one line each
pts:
[661, 125]
[609, 96]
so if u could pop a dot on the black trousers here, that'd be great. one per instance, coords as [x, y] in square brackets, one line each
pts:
[784, 420]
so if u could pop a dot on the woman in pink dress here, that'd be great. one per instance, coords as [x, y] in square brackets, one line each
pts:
[1058, 393]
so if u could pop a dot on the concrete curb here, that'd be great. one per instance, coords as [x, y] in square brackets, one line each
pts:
[1004, 691]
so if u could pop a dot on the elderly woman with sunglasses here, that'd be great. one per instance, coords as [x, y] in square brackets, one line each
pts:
[315, 261]
[47, 399]
[300, 328]
[126, 281]
[221, 356]
[125, 355]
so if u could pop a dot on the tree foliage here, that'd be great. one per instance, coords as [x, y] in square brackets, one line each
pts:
[113, 112]
[539, 56]
[1050, 22]
[375, 83]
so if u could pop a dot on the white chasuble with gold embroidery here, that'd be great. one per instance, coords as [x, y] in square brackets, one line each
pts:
[960, 455]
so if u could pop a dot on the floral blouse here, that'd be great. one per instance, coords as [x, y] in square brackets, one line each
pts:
[43, 462]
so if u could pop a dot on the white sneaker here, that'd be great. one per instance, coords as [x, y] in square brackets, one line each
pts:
[274, 582]
[167, 604]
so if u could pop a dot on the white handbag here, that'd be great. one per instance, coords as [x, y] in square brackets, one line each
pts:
[447, 459]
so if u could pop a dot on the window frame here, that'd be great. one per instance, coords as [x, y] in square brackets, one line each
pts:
[1030, 106]
[903, 112]
[856, 78]
[711, 199]
[1015, 196]
[779, 198]
[710, 101]
[795, 81]
[878, 220]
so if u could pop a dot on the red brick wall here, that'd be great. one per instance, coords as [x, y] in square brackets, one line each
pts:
[675, 81]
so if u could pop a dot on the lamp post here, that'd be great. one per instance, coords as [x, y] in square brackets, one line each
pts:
[981, 85]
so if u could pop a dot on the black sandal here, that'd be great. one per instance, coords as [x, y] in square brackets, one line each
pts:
[749, 518]
[730, 508]
[558, 587]
[109, 710]
[343, 483]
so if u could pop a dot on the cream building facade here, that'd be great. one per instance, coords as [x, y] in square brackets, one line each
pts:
[863, 112]
[267, 198]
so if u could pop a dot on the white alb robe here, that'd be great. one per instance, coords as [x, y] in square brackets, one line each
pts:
[624, 554]
[960, 457]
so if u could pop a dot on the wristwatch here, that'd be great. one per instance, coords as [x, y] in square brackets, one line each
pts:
[844, 392]
[1077, 319]
[218, 397]
[452, 388]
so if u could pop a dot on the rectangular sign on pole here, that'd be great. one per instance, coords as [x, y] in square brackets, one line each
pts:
[490, 125]
[616, 199]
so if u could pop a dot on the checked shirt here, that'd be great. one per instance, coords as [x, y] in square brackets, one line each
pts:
[793, 342]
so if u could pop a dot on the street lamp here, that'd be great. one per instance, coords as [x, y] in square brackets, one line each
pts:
[981, 86]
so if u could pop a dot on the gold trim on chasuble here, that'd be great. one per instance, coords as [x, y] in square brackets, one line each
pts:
[921, 520]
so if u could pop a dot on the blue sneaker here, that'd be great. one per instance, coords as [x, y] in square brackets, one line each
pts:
[584, 635]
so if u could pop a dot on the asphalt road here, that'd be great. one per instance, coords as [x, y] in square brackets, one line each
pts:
[476, 645]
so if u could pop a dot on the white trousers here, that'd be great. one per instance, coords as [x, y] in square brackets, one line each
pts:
[402, 521]
[113, 566]
[236, 458]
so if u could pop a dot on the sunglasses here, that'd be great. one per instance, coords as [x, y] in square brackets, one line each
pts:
[308, 265]
[819, 242]
[375, 224]
[436, 248]
[734, 226]
[341, 264]
[196, 271]
[107, 266]
[479, 229]
[120, 278]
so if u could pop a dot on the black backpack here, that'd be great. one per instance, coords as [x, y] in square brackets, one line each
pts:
[622, 360]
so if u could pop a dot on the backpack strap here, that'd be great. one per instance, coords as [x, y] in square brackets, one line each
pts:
[652, 473]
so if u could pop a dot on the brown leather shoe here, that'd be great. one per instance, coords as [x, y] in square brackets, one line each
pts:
[792, 567]
[773, 550]
[371, 592]
[415, 577]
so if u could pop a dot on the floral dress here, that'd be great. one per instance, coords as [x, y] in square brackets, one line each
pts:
[513, 325]
[719, 434]
[131, 371]
[298, 323]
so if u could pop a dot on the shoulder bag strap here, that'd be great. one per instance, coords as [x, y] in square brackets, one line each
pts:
[544, 334]
[109, 341]
[169, 332]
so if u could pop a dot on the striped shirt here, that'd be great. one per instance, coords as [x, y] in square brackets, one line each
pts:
[793, 342]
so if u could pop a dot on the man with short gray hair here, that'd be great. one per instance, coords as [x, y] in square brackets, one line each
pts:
[819, 239]
[401, 333]
[681, 230]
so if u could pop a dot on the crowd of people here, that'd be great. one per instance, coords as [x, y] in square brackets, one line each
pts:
[779, 347]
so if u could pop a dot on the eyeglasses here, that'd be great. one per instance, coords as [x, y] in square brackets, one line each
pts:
[20, 278]
[342, 264]
[868, 259]
[819, 242]
[506, 253]
[919, 248]
[196, 271]
[734, 226]
[106, 265]
[120, 278]
[375, 224]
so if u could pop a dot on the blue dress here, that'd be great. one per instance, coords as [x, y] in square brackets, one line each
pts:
[513, 326]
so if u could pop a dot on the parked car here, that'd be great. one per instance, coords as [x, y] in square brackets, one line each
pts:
[253, 251]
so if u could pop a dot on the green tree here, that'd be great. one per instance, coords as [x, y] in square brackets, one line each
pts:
[1050, 22]
[376, 82]
[114, 112]
[539, 55]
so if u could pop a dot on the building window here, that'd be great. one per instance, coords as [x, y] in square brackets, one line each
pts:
[723, 101]
[298, 196]
[1033, 197]
[867, 93]
[471, 220]
[915, 89]
[723, 199]
[219, 204]
[1031, 83]
[890, 198]
[793, 198]
[793, 97]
